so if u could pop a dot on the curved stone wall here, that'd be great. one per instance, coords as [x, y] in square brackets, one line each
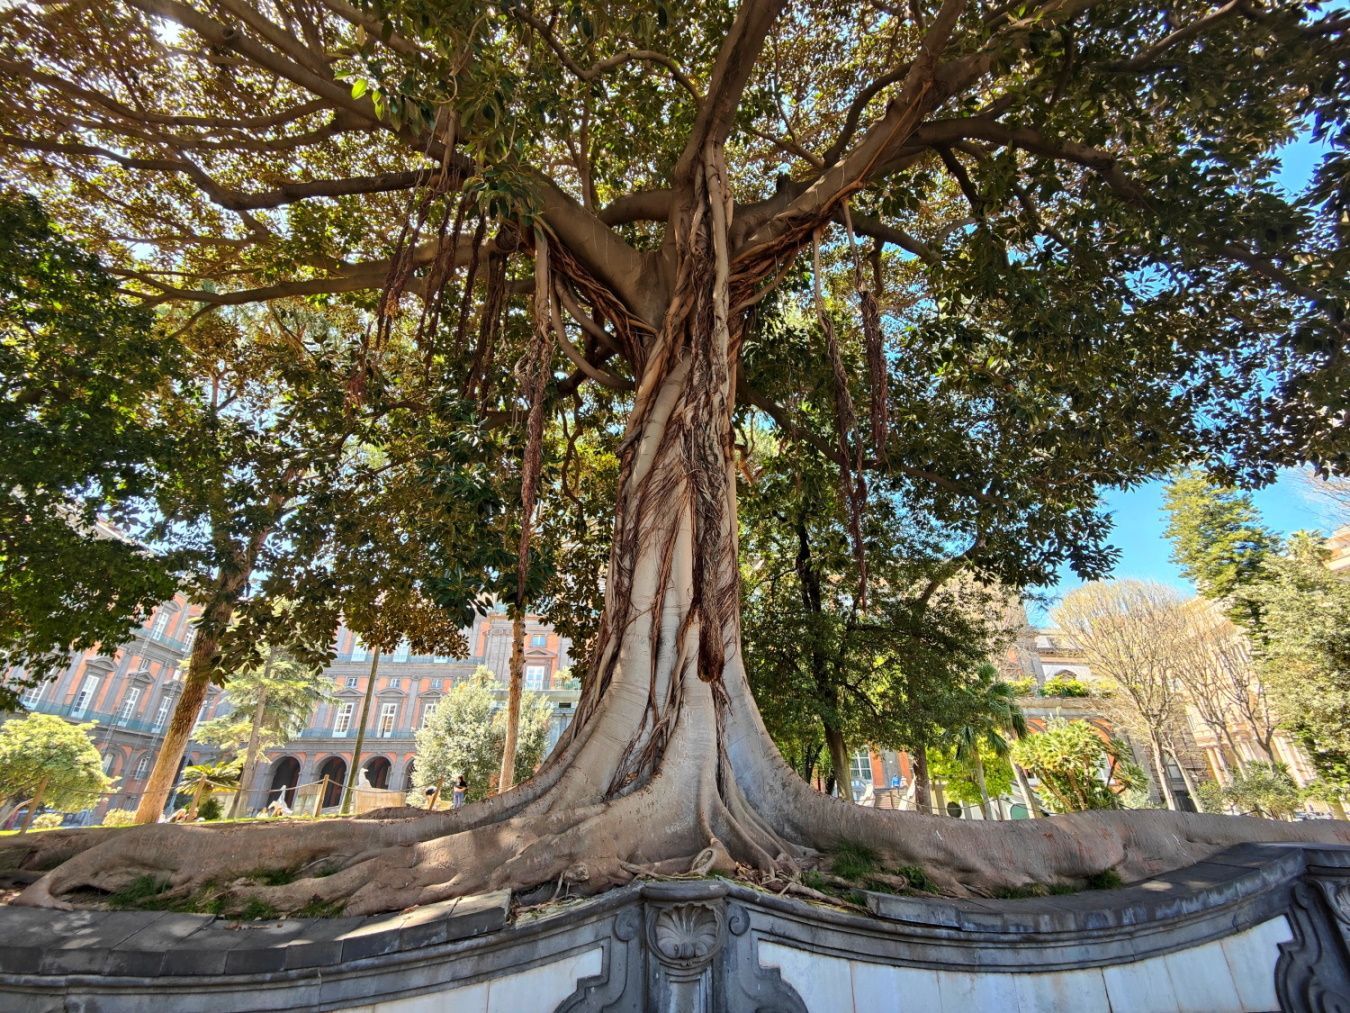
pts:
[1257, 927]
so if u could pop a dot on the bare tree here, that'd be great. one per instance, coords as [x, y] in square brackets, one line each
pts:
[1129, 632]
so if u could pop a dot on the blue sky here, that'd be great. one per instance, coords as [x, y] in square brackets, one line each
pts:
[1138, 514]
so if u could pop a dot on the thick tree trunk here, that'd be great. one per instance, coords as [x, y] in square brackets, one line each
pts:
[923, 785]
[507, 779]
[1160, 772]
[184, 719]
[254, 735]
[977, 768]
[667, 767]
[834, 739]
[354, 771]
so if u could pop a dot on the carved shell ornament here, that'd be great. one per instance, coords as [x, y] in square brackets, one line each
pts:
[687, 935]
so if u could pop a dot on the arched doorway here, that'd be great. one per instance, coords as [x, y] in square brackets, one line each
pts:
[285, 776]
[408, 775]
[377, 771]
[335, 769]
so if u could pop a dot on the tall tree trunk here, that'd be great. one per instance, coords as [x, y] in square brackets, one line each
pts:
[201, 664]
[254, 736]
[354, 771]
[507, 779]
[834, 739]
[977, 768]
[1186, 778]
[1160, 771]
[1024, 784]
[923, 787]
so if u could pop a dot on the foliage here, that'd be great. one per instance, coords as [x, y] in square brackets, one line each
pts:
[1023, 687]
[465, 734]
[1258, 789]
[291, 689]
[1217, 536]
[45, 746]
[960, 785]
[79, 441]
[201, 779]
[1305, 658]
[48, 821]
[119, 818]
[1065, 686]
[1079, 768]
[209, 810]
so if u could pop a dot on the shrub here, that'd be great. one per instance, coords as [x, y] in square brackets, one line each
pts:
[48, 821]
[119, 818]
[209, 810]
[1023, 687]
[1065, 686]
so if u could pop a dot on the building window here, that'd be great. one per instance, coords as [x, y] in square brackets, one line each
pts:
[142, 768]
[538, 639]
[161, 624]
[401, 652]
[395, 683]
[435, 683]
[386, 726]
[344, 718]
[108, 763]
[162, 714]
[32, 695]
[441, 659]
[352, 681]
[534, 677]
[358, 650]
[860, 771]
[129, 704]
[427, 713]
[85, 696]
[189, 636]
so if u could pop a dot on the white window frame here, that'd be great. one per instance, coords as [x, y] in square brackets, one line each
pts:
[85, 696]
[856, 775]
[352, 681]
[129, 705]
[32, 695]
[534, 677]
[388, 714]
[359, 652]
[162, 714]
[428, 711]
[161, 624]
[402, 651]
[142, 768]
[342, 723]
[538, 639]
[441, 659]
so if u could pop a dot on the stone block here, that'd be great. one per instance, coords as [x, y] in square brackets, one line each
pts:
[1142, 986]
[1201, 980]
[1056, 991]
[374, 937]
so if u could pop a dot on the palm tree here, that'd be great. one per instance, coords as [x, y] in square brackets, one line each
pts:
[993, 713]
[203, 778]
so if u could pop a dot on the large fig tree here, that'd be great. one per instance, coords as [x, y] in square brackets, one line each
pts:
[1052, 223]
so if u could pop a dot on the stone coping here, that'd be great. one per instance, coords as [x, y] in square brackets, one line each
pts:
[1229, 891]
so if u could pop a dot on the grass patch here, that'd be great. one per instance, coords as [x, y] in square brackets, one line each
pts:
[258, 911]
[853, 861]
[320, 909]
[1107, 879]
[274, 877]
[918, 879]
[144, 893]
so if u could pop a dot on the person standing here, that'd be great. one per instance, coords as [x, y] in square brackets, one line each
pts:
[461, 788]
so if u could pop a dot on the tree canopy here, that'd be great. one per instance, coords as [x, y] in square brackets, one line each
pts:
[42, 751]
